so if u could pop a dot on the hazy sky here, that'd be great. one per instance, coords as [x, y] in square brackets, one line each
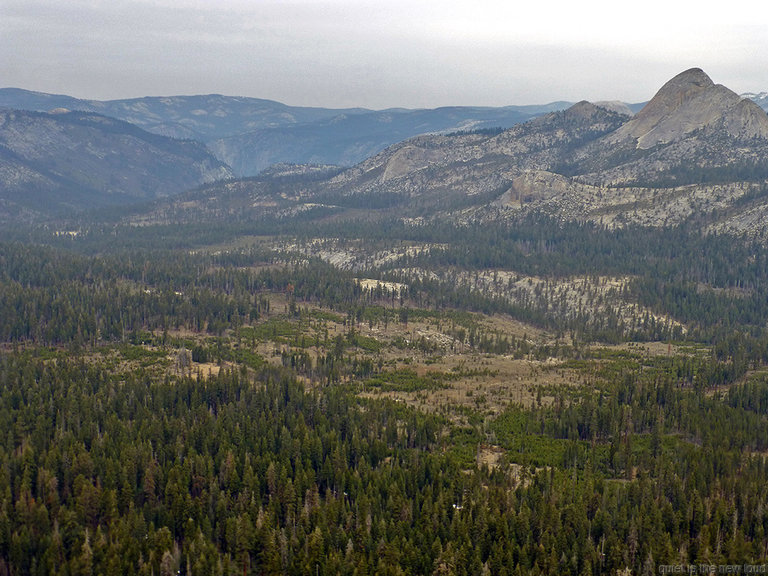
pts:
[379, 54]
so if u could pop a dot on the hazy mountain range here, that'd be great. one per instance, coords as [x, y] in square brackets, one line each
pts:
[250, 134]
[696, 150]
[52, 163]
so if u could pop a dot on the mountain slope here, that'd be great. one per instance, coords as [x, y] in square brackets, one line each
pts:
[54, 162]
[347, 139]
[688, 102]
[696, 153]
[250, 134]
[437, 172]
[691, 131]
[425, 175]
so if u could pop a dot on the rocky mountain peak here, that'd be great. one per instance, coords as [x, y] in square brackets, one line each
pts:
[688, 102]
[691, 78]
[678, 93]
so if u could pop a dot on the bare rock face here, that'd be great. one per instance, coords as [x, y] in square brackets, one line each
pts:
[746, 120]
[689, 102]
[407, 160]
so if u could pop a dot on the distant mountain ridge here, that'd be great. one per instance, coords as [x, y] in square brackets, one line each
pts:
[696, 153]
[203, 118]
[695, 150]
[52, 163]
[348, 139]
[251, 134]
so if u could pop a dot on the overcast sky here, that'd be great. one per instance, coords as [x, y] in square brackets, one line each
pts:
[379, 54]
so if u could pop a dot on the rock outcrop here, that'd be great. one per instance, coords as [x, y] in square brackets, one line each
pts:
[691, 102]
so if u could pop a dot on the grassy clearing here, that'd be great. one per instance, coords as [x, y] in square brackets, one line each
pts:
[408, 380]
[430, 361]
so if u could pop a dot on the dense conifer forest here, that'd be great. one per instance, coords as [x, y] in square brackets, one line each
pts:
[532, 398]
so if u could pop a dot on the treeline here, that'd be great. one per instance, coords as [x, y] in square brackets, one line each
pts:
[707, 282]
[712, 285]
[50, 296]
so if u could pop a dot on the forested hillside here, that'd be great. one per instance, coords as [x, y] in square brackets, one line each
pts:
[538, 398]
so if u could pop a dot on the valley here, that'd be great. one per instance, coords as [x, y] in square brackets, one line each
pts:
[537, 350]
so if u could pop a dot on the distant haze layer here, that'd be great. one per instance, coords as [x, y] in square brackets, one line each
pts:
[343, 53]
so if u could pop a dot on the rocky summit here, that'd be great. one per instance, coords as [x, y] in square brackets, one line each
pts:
[695, 148]
[689, 102]
[697, 153]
